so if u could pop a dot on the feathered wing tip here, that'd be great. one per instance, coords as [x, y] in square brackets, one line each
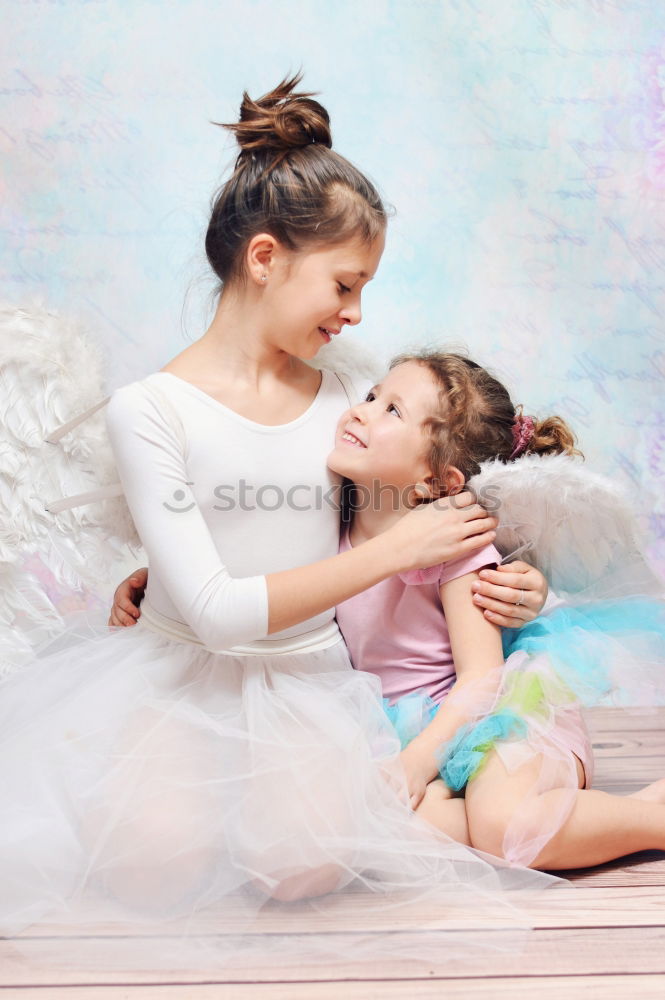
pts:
[579, 526]
[349, 357]
[49, 373]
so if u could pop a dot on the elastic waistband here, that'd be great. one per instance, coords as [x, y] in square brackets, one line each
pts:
[306, 642]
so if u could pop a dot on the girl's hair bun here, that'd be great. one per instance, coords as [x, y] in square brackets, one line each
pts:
[288, 182]
[552, 436]
[281, 121]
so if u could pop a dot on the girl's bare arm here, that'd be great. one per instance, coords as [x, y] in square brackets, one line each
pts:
[433, 533]
[478, 657]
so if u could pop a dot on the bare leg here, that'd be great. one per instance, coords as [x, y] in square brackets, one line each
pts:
[602, 827]
[446, 813]
[597, 827]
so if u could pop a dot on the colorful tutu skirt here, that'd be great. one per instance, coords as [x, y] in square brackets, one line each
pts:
[609, 653]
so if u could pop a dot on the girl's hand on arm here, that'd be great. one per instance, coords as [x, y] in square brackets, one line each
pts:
[498, 591]
[127, 597]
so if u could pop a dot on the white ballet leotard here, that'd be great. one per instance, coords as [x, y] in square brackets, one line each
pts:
[192, 506]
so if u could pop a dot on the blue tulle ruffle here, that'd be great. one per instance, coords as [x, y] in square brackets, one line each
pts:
[576, 641]
[410, 714]
[464, 754]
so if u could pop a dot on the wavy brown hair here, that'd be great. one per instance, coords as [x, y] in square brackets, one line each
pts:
[289, 182]
[476, 417]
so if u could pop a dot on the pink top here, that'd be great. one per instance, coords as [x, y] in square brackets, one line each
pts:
[397, 629]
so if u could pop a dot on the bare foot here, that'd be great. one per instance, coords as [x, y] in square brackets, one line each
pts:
[655, 792]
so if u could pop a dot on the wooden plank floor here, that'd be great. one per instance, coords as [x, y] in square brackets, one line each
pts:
[605, 939]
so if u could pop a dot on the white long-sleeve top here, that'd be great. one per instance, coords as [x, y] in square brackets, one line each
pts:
[219, 501]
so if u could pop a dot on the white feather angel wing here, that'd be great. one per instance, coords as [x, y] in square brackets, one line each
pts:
[578, 527]
[50, 373]
[349, 356]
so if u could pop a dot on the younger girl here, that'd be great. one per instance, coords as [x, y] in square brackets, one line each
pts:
[514, 731]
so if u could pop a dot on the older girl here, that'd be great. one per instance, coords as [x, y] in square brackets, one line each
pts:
[223, 751]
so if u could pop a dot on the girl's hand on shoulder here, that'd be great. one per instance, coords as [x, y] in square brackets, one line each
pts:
[128, 596]
[443, 530]
[511, 595]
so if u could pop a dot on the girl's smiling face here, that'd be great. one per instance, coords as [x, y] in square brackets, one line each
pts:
[383, 440]
[312, 294]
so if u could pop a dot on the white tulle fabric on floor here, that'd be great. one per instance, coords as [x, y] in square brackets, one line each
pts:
[146, 781]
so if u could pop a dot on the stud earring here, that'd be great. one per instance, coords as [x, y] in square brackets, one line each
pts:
[264, 277]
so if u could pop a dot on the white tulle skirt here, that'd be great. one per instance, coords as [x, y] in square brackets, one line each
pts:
[145, 780]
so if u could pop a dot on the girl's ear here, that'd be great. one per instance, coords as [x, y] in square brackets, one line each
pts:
[260, 257]
[453, 481]
[431, 488]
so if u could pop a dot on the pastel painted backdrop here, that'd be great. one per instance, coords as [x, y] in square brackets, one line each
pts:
[521, 142]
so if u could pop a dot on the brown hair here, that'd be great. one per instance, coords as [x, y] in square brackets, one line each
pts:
[476, 417]
[288, 182]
